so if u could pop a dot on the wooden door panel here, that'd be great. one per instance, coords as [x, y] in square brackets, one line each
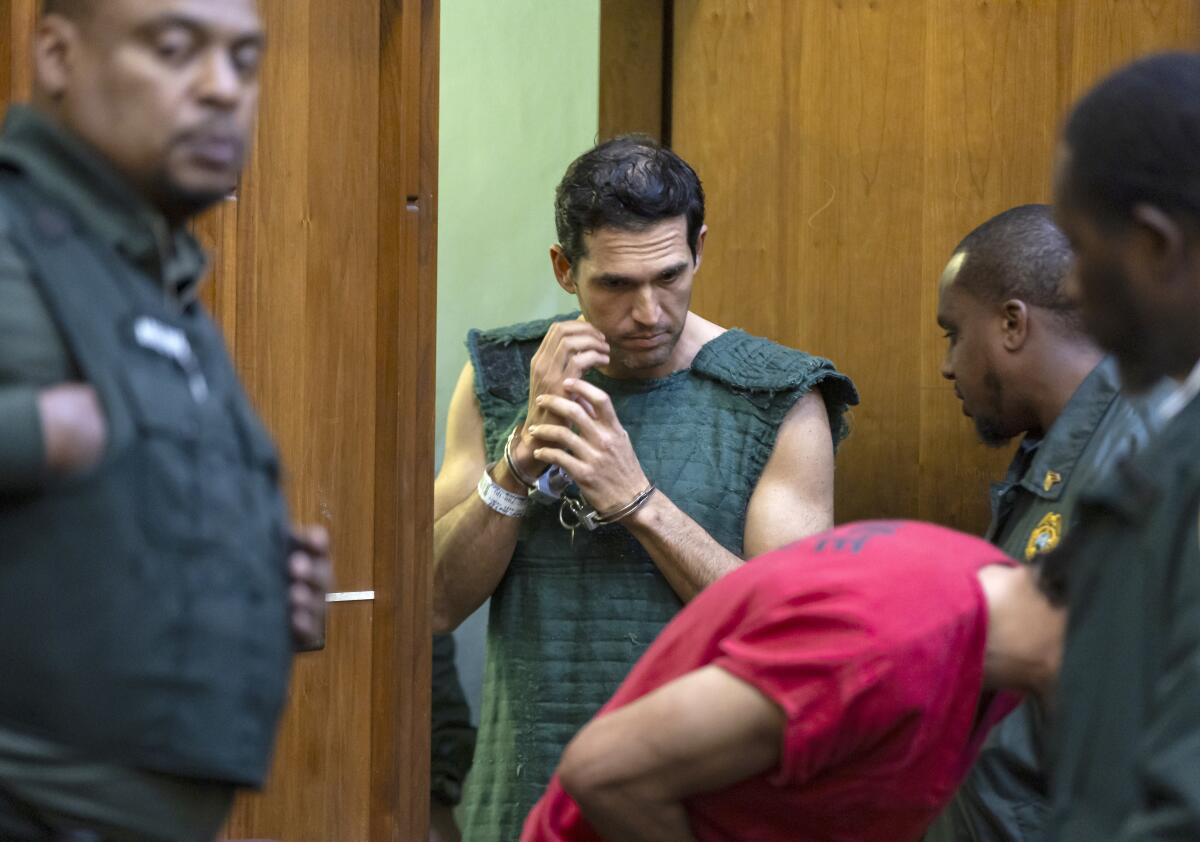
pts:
[990, 128]
[814, 183]
[846, 146]
[319, 789]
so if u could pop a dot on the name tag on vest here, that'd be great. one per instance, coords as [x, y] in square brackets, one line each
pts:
[172, 343]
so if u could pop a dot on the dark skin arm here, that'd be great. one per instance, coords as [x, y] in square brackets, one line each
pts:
[631, 769]
[311, 574]
[74, 430]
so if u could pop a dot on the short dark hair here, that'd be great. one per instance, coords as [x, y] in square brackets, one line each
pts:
[630, 182]
[1020, 254]
[1135, 137]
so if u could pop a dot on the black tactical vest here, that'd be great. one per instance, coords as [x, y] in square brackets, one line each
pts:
[143, 606]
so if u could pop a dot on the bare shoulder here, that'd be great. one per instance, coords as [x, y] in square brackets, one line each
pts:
[704, 330]
[698, 332]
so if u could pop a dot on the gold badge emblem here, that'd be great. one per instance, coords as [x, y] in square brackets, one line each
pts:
[1052, 479]
[1045, 536]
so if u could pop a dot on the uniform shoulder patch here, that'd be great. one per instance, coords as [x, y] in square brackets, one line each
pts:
[1045, 536]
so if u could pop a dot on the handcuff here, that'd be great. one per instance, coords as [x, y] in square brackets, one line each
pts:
[553, 486]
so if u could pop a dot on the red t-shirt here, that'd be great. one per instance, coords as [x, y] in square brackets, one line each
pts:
[871, 639]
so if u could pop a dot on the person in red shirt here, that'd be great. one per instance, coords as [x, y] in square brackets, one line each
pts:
[836, 689]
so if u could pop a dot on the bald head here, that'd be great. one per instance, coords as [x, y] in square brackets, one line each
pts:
[1019, 254]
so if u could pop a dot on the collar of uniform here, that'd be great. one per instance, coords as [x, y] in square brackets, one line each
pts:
[1180, 397]
[1018, 468]
[1059, 449]
[1135, 486]
[87, 185]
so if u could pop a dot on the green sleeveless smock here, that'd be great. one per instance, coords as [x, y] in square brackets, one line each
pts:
[570, 618]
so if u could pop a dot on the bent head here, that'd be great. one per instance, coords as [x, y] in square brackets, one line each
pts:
[1005, 280]
[165, 90]
[630, 220]
[1127, 194]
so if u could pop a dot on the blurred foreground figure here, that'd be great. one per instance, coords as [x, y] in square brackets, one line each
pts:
[151, 590]
[1127, 194]
[836, 689]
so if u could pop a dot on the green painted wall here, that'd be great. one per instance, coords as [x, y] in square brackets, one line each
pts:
[519, 101]
[520, 88]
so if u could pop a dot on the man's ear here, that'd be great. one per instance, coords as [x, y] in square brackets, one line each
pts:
[562, 269]
[1015, 326]
[1157, 244]
[54, 45]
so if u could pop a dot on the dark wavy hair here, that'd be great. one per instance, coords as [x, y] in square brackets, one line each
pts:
[630, 182]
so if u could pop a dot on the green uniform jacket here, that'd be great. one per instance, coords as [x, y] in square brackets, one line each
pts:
[143, 615]
[1126, 749]
[33, 354]
[1005, 797]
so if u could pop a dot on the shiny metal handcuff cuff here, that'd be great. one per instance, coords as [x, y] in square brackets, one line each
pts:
[553, 486]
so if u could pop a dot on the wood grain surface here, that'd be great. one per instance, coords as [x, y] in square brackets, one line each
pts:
[846, 146]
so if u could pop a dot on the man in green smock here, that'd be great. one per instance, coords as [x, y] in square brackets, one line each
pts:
[1022, 365]
[688, 448]
[146, 617]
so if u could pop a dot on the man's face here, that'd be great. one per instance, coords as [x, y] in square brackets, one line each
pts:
[1133, 303]
[167, 90]
[635, 287]
[973, 337]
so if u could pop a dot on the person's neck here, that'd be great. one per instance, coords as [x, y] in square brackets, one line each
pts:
[697, 332]
[1054, 383]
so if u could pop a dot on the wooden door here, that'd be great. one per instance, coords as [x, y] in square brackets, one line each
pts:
[846, 146]
[324, 284]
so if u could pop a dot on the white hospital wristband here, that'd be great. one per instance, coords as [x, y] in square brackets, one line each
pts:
[500, 499]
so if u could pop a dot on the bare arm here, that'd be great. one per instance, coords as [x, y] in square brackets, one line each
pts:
[793, 498]
[74, 428]
[472, 545]
[1025, 633]
[630, 770]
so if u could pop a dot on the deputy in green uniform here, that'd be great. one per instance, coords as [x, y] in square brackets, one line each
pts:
[146, 620]
[1022, 365]
[686, 446]
[1126, 760]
